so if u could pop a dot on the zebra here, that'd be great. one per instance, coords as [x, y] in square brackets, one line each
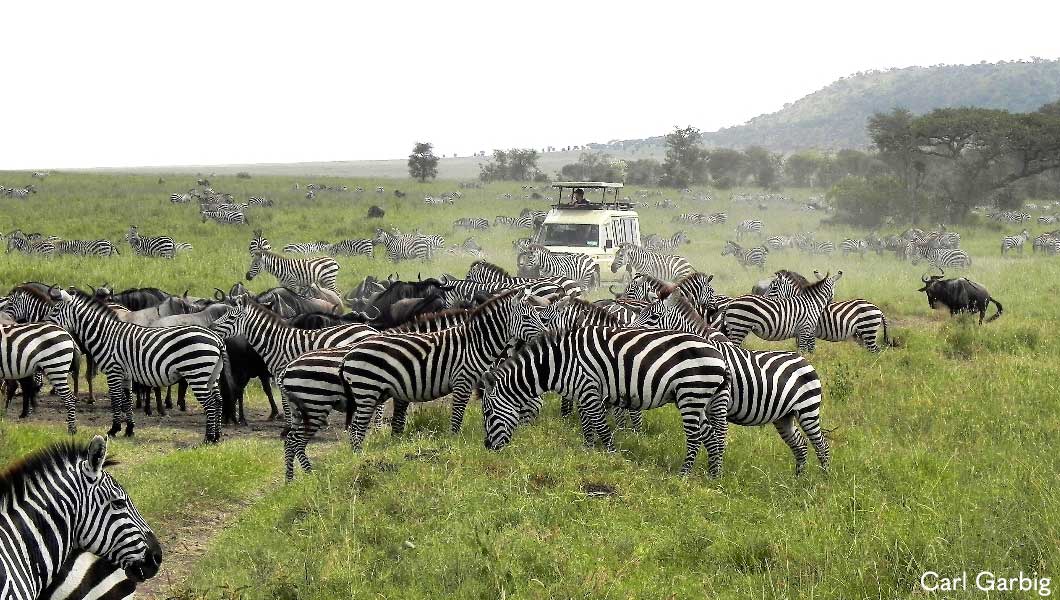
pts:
[352, 247]
[404, 247]
[259, 243]
[229, 217]
[522, 244]
[180, 198]
[662, 266]
[278, 343]
[575, 266]
[58, 502]
[693, 218]
[505, 220]
[154, 357]
[944, 259]
[25, 245]
[695, 287]
[310, 195]
[858, 319]
[85, 576]
[747, 257]
[764, 387]
[25, 349]
[259, 201]
[469, 247]
[530, 219]
[161, 246]
[716, 219]
[815, 248]
[748, 226]
[858, 247]
[775, 243]
[419, 367]
[773, 320]
[295, 273]
[1047, 220]
[634, 369]
[656, 243]
[318, 247]
[471, 223]
[1014, 241]
[1047, 242]
[1011, 216]
[543, 287]
[86, 247]
[379, 190]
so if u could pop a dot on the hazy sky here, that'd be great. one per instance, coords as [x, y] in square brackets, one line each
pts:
[165, 83]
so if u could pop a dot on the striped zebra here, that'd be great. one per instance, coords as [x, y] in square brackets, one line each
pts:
[469, 247]
[318, 247]
[815, 248]
[530, 218]
[944, 259]
[86, 247]
[295, 273]
[161, 246]
[716, 219]
[85, 576]
[575, 266]
[432, 201]
[25, 349]
[776, 243]
[25, 245]
[1047, 242]
[747, 257]
[422, 367]
[464, 291]
[1015, 241]
[471, 223]
[661, 244]
[849, 246]
[1010, 216]
[694, 287]
[775, 320]
[635, 369]
[1047, 220]
[127, 353]
[277, 342]
[180, 198]
[352, 247]
[522, 244]
[692, 218]
[775, 387]
[505, 220]
[858, 319]
[259, 201]
[749, 226]
[543, 287]
[663, 266]
[259, 243]
[58, 503]
[226, 217]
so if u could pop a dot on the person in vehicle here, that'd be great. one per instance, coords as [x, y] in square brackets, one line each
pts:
[579, 198]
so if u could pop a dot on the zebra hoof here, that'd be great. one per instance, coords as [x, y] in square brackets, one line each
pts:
[114, 429]
[129, 430]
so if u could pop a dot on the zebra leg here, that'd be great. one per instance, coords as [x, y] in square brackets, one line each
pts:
[90, 374]
[116, 391]
[566, 405]
[793, 438]
[290, 443]
[811, 424]
[692, 422]
[182, 395]
[362, 415]
[397, 422]
[127, 408]
[591, 416]
[159, 404]
[58, 381]
[209, 398]
[636, 420]
[266, 386]
[714, 431]
[461, 396]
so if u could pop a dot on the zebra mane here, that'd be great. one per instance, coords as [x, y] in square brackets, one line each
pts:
[490, 268]
[68, 452]
[685, 309]
[488, 305]
[433, 316]
[796, 278]
[94, 303]
[662, 288]
[584, 306]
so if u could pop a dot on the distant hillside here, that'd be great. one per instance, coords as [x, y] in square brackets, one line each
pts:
[835, 117]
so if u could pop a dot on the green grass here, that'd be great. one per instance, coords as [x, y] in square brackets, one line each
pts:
[944, 449]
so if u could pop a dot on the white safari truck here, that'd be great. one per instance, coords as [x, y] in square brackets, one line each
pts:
[595, 227]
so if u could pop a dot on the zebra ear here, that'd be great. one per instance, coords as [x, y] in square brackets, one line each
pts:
[97, 456]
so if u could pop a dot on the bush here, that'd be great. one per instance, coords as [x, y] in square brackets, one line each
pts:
[243, 175]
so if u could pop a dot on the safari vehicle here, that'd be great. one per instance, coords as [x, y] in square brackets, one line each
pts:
[595, 227]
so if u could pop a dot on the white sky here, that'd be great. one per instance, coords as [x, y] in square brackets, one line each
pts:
[154, 83]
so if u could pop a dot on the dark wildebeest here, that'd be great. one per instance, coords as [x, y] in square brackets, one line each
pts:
[375, 212]
[959, 295]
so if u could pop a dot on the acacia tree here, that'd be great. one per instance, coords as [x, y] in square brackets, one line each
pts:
[423, 164]
[686, 160]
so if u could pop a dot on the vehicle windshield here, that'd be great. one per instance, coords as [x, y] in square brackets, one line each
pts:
[570, 234]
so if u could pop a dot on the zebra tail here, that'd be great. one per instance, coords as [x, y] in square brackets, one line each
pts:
[999, 309]
[886, 337]
[75, 370]
[348, 392]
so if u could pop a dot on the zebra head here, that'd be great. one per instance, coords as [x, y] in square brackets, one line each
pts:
[132, 234]
[106, 522]
[500, 406]
[731, 247]
[259, 243]
[622, 257]
[256, 260]
[27, 305]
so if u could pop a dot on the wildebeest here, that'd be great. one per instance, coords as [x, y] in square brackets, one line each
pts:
[375, 212]
[959, 295]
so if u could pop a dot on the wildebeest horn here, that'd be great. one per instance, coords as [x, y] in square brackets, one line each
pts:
[611, 288]
[186, 293]
[924, 278]
[219, 295]
[52, 294]
[93, 291]
[378, 312]
[942, 272]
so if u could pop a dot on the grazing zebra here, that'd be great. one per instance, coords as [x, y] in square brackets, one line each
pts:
[657, 243]
[25, 349]
[25, 245]
[747, 257]
[86, 247]
[1011, 216]
[310, 195]
[575, 266]
[693, 218]
[471, 223]
[1047, 220]
[227, 217]
[354, 247]
[422, 367]
[158, 245]
[716, 219]
[469, 247]
[858, 319]
[777, 242]
[319, 247]
[154, 357]
[634, 369]
[1047, 242]
[259, 201]
[278, 343]
[667, 203]
[694, 287]
[404, 247]
[748, 226]
[662, 266]
[180, 198]
[379, 190]
[57, 503]
[259, 243]
[764, 387]
[530, 219]
[295, 273]
[543, 287]
[505, 220]
[815, 248]
[944, 259]
[1014, 241]
[522, 244]
[849, 246]
[773, 320]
